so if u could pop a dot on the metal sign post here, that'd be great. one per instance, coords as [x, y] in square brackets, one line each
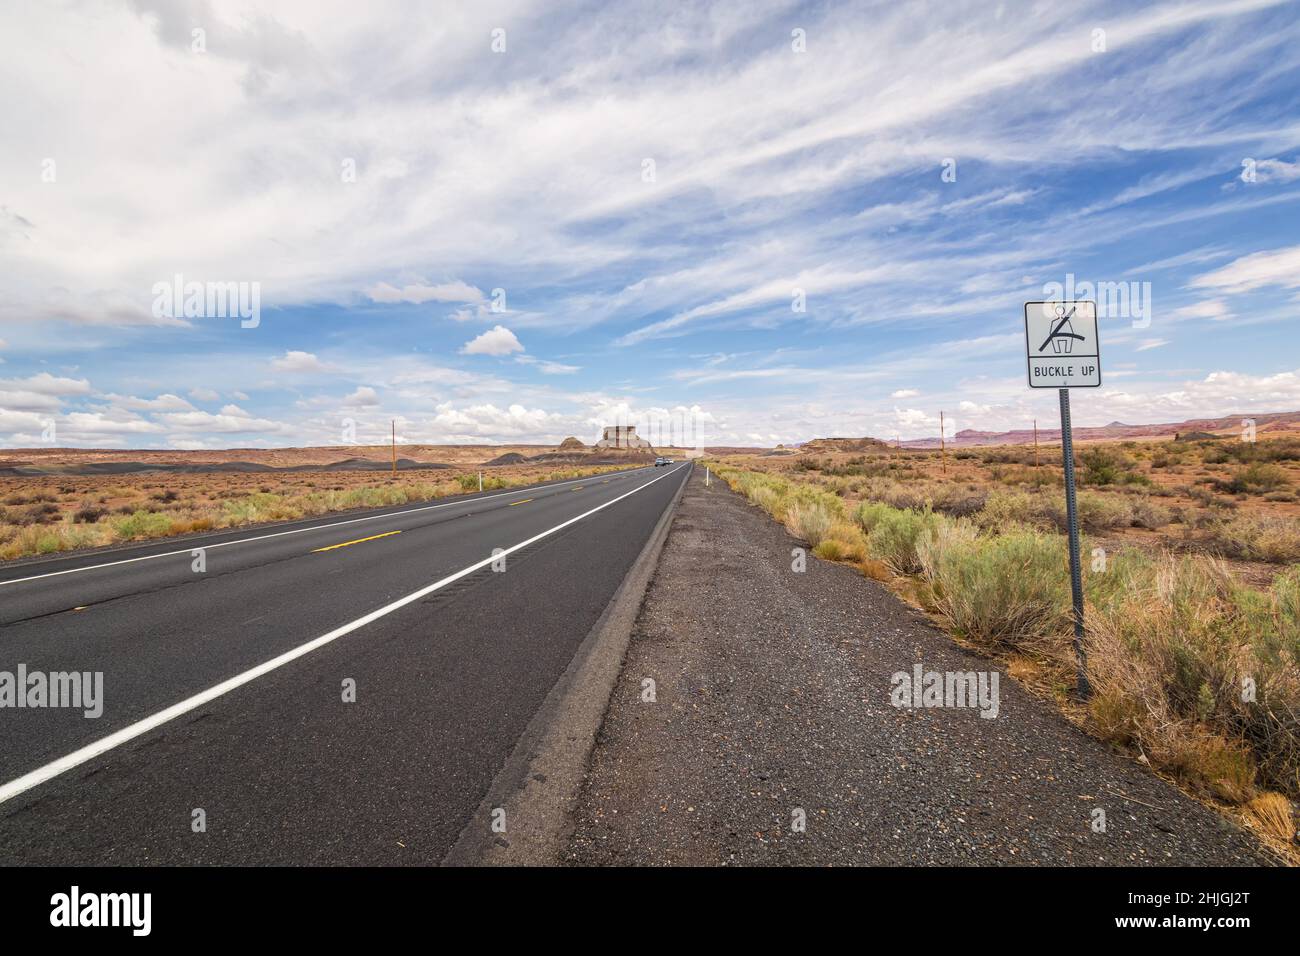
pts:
[1072, 520]
[1063, 352]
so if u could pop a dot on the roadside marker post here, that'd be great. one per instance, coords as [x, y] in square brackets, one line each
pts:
[1063, 351]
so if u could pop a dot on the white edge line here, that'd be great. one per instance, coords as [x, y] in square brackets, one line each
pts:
[280, 534]
[57, 767]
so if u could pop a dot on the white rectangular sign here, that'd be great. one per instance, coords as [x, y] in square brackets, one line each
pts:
[1062, 344]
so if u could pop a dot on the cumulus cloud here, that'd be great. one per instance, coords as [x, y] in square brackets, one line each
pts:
[231, 420]
[46, 384]
[296, 361]
[162, 403]
[497, 340]
[364, 396]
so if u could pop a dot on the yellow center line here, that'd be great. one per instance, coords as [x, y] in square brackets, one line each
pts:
[523, 502]
[579, 488]
[344, 544]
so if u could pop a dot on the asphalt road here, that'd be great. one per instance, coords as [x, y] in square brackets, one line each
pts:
[223, 688]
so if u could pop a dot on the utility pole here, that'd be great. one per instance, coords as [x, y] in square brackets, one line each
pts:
[943, 447]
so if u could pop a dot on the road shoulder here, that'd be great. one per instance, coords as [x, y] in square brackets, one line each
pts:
[534, 796]
[772, 738]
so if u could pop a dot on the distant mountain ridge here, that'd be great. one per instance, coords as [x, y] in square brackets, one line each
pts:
[1118, 431]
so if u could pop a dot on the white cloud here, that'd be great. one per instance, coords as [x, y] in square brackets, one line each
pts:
[42, 392]
[497, 340]
[547, 367]
[418, 293]
[905, 393]
[1148, 344]
[46, 384]
[364, 396]
[1279, 267]
[296, 361]
[1276, 171]
[1216, 309]
[232, 420]
[163, 403]
[204, 394]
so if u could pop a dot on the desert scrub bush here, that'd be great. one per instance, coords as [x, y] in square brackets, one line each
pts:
[1007, 455]
[45, 513]
[1273, 449]
[88, 513]
[1024, 475]
[893, 535]
[843, 542]
[470, 482]
[810, 520]
[48, 540]
[142, 524]
[1109, 466]
[1145, 513]
[1007, 510]
[1274, 539]
[956, 502]
[1008, 591]
[1172, 643]
[1255, 478]
[1102, 512]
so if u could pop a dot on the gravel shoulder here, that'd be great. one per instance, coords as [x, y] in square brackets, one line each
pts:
[773, 696]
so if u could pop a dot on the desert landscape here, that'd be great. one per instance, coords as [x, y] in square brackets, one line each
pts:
[66, 499]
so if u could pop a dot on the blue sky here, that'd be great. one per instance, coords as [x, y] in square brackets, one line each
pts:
[653, 194]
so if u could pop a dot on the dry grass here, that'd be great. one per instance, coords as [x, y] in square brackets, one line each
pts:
[1273, 813]
[39, 517]
[1192, 670]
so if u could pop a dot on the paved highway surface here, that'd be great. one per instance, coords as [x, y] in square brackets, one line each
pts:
[223, 688]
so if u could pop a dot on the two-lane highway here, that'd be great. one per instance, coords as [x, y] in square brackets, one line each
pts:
[226, 675]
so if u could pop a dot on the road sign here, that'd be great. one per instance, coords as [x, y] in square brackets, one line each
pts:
[1062, 345]
[1064, 353]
